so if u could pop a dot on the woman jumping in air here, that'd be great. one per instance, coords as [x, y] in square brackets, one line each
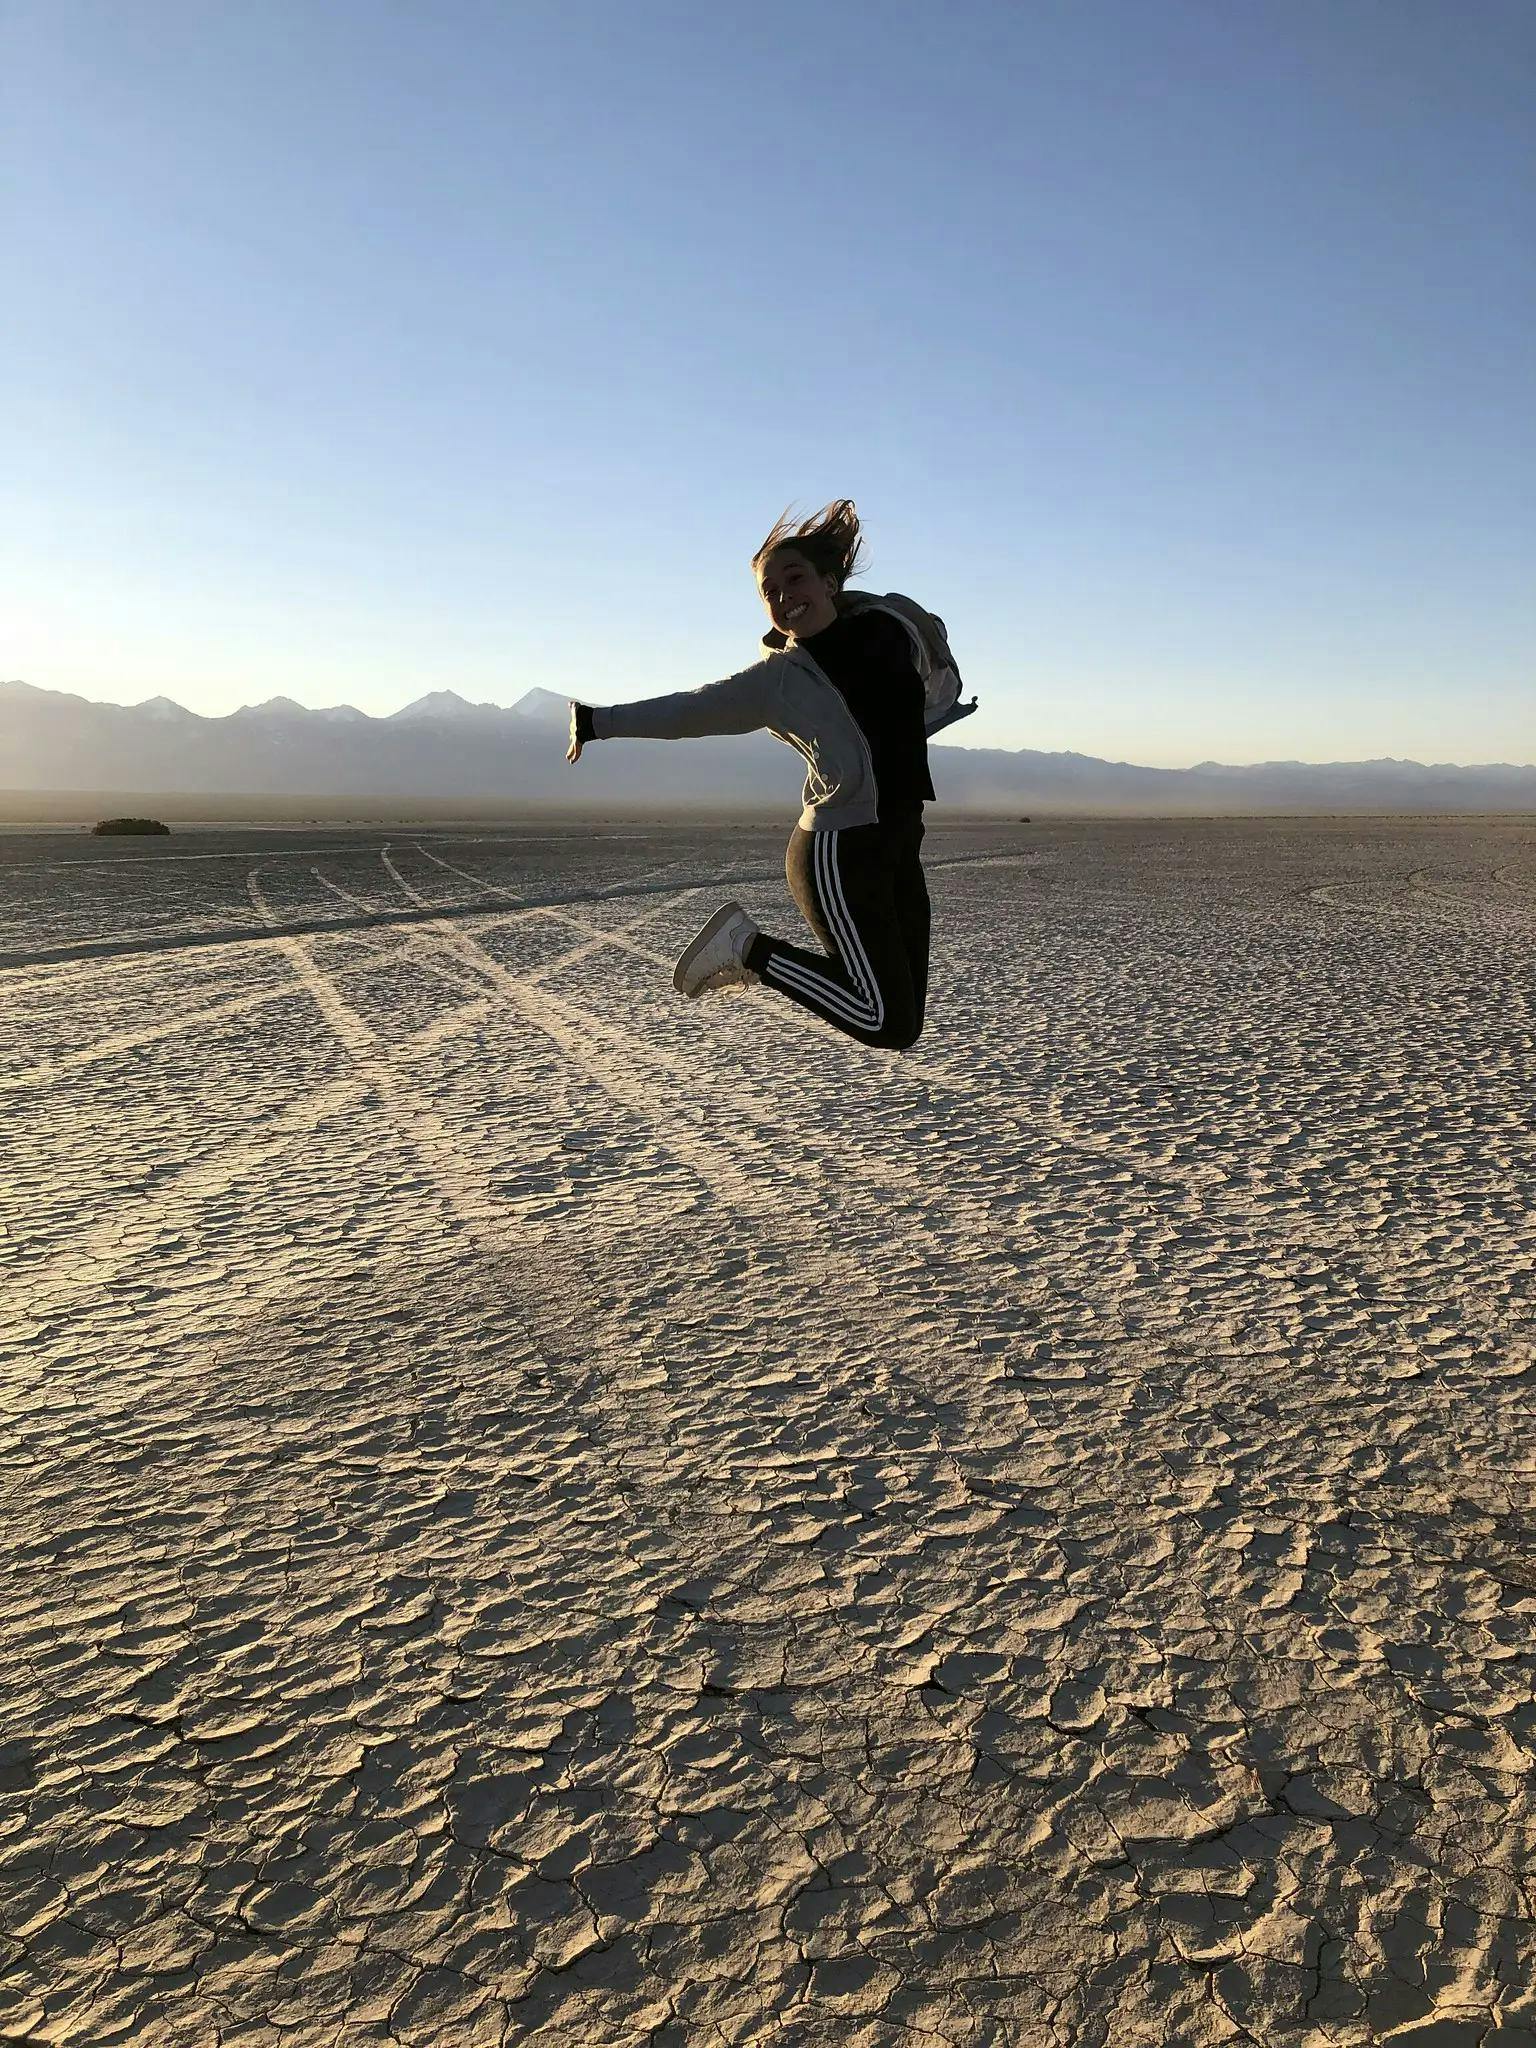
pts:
[855, 684]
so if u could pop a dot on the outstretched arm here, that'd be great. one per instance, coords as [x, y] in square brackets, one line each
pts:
[742, 703]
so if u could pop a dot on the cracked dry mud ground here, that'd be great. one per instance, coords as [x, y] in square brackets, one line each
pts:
[539, 1513]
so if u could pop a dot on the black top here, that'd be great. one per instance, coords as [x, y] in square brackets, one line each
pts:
[868, 657]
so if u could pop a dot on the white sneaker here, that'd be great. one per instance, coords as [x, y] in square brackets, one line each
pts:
[716, 956]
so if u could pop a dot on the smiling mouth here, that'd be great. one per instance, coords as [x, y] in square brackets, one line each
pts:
[795, 613]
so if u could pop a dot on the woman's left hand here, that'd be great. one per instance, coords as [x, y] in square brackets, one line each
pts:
[573, 751]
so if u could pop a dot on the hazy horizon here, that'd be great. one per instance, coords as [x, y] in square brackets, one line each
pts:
[959, 737]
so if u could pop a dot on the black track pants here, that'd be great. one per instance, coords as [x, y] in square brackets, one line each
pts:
[862, 893]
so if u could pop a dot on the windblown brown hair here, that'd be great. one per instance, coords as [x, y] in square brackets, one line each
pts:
[830, 540]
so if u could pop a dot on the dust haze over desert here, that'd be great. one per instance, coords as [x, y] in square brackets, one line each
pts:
[543, 1513]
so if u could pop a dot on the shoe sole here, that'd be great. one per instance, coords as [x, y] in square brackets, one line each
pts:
[699, 941]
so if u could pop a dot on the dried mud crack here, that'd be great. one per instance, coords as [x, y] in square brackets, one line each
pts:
[537, 1513]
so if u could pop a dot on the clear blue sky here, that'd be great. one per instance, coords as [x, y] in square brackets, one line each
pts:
[1180, 352]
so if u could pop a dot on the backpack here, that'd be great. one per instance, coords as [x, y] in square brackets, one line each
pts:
[931, 655]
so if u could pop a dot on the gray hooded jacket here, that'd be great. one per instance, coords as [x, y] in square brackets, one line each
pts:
[788, 694]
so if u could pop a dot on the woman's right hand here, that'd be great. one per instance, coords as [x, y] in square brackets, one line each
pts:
[573, 751]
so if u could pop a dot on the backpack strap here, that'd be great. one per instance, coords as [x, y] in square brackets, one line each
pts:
[934, 660]
[955, 713]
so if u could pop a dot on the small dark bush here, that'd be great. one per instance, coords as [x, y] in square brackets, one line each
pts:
[120, 825]
[1023, 821]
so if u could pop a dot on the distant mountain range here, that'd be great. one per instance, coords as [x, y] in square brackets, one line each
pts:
[442, 747]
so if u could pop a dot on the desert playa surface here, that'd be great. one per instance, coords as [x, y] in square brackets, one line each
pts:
[537, 1512]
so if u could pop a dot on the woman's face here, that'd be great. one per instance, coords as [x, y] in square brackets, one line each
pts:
[800, 602]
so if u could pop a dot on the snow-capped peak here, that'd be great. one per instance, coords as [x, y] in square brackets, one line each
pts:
[445, 704]
[273, 707]
[542, 707]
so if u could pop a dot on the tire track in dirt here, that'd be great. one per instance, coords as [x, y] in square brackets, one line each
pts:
[411, 947]
[650, 1509]
[1418, 897]
[632, 1071]
[49, 977]
[917, 1066]
[88, 1266]
[432, 1141]
[636, 1070]
[185, 1021]
[758, 1108]
[584, 1047]
[61, 1064]
[608, 1056]
[46, 980]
